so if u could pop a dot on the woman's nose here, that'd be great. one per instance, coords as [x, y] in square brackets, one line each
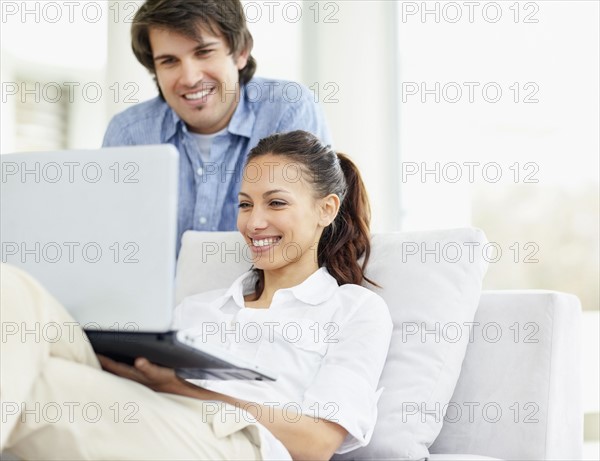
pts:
[257, 219]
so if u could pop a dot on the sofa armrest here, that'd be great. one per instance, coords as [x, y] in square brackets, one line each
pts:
[519, 391]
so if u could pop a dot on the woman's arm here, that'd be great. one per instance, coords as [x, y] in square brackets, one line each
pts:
[305, 437]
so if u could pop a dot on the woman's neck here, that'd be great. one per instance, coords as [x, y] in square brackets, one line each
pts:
[286, 277]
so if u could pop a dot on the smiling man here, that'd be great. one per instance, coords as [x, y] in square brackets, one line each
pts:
[210, 105]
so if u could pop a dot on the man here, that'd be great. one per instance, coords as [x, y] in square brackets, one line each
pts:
[209, 105]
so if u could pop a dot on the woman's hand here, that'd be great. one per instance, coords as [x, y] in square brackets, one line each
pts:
[158, 378]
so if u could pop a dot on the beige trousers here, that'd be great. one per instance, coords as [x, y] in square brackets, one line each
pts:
[57, 403]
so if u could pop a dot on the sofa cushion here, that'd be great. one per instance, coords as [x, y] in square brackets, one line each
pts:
[431, 282]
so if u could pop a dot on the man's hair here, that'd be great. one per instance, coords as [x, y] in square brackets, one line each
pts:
[220, 17]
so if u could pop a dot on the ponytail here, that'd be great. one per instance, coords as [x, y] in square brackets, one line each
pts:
[348, 239]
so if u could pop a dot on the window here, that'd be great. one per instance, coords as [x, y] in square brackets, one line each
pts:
[499, 130]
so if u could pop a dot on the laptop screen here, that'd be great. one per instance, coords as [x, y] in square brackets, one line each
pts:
[97, 228]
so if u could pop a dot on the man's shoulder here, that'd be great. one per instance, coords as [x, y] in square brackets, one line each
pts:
[283, 105]
[143, 112]
[143, 123]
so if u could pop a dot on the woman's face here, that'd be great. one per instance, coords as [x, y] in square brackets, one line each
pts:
[279, 216]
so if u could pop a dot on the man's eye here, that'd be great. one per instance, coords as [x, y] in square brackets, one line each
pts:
[204, 52]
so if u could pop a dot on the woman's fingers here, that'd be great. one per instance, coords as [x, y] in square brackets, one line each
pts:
[154, 373]
[144, 372]
[121, 369]
[108, 364]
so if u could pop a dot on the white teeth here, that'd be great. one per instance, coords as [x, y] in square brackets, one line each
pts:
[265, 242]
[198, 95]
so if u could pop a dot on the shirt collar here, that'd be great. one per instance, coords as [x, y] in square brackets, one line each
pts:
[316, 289]
[241, 123]
[173, 123]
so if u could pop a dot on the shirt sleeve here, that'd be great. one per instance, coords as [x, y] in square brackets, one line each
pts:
[345, 388]
[306, 115]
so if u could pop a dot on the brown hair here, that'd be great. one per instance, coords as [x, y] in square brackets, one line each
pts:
[220, 17]
[347, 238]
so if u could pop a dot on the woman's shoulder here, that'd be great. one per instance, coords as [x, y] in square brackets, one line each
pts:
[359, 299]
[357, 290]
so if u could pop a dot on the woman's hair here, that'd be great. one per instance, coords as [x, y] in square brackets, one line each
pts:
[347, 238]
[220, 17]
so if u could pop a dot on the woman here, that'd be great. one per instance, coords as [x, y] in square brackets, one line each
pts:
[304, 213]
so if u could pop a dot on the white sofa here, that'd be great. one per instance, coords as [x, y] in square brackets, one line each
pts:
[542, 378]
[517, 394]
[508, 389]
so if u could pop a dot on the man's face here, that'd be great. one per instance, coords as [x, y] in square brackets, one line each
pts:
[198, 79]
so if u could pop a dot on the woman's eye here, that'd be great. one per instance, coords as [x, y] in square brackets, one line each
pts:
[244, 205]
[277, 203]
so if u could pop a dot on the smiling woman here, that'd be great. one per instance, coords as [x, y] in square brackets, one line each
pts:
[282, 222]
[304, 212]
[307, 191]
[325, 335]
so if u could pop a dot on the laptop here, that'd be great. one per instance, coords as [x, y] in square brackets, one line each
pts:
[98, 229]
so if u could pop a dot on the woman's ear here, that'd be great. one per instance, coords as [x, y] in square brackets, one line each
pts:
[328, 209]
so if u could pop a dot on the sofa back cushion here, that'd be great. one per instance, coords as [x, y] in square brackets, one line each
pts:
[431, 282]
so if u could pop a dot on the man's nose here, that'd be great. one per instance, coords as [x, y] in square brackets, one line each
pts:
[192, 73]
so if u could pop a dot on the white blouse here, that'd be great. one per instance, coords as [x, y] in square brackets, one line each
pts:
[328, 344]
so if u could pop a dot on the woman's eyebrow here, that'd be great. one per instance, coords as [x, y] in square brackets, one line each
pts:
[269, 192]
[275, 191]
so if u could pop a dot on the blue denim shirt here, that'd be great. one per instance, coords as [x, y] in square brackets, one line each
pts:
[208, 190]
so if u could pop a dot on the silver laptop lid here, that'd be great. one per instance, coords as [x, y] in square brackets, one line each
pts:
[97, 228]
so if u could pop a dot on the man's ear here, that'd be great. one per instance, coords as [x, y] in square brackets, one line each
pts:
[328, 209]
[242, 59]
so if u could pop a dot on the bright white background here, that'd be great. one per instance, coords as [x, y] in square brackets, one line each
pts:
[368, 62]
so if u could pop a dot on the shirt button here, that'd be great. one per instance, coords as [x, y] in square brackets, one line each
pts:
[203, 220]
[200, 171]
